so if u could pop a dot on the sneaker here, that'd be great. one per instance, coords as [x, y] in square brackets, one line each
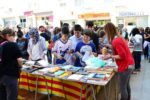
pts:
[135, 72]
[138, 70]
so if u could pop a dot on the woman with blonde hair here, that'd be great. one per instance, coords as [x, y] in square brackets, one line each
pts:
[122, 57]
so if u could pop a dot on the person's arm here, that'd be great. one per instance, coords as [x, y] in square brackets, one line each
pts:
[115, 57]
[57, 55]
[43, 47]
[18, 55]
[26, 44]
[146, 37]
[71, 50]
[54, 51]
[94, 51]
[29, 50]
[20, 61]
[77, 49]
[121, 53]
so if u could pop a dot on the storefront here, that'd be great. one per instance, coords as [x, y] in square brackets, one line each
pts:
[28, 20]
[44, 18]
[70, 22]
[69, 17]
[10, 22]
[100, 19]
[138, 19]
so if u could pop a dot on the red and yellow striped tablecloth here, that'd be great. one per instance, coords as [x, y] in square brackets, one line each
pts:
[71, 89]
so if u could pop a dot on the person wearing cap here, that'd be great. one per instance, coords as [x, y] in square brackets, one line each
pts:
[85, 47]
[36, 47]
[62, 48]
[10, 64]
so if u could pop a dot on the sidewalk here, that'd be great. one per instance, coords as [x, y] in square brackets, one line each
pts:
[140, 83]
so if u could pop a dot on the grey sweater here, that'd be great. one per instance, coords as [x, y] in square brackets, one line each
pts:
[137, 42]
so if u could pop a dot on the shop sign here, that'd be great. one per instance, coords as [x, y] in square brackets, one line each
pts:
[28, 13]
[124, 14]
[50, 18]
[93, 15]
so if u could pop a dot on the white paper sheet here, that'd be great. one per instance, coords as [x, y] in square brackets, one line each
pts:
[75, 77]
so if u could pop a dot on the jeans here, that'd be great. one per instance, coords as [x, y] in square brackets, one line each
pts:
[124, 83]
[49, 55]
[8, 88]
[137, 59]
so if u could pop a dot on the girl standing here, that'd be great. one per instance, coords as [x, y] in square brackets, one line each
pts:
[123, 58]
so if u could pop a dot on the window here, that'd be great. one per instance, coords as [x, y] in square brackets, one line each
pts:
[79, 3]
[23, 22]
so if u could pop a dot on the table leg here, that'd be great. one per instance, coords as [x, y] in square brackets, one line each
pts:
[36, 89]
[86, 92]
[93, 90]
[28, 82]
[116, 88]
[63, 88]
[105, 92]
[81, 92]
[91, 97]
[47, 88]
[51, 85]
[109, 86]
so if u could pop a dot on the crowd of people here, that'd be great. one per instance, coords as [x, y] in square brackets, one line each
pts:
[71, 47]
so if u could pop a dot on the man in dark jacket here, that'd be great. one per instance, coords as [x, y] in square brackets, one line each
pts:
[94, 36]
[45, 33]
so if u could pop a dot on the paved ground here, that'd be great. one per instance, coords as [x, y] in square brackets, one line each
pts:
[140, 83]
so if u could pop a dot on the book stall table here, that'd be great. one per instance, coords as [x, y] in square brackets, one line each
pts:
[71, 87]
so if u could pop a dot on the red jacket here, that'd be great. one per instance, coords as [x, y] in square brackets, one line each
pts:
[51, 45]
[121, 48]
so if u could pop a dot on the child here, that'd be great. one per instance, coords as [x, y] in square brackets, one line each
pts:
[84, 49]
[105, 55]
[62, 48]
[50, 46]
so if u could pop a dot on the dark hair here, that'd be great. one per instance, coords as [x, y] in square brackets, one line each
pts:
[96, 28]
[56, 30]
[141, 29]
[89, 23]
[65, 30]
[8, 31]
[65, 25]
[135, 31]
[19, 34]
[101, 34]
[110, 30]
[77, 27]
[19, 27]
[87, 32]
[41, 26]
[147, 30]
